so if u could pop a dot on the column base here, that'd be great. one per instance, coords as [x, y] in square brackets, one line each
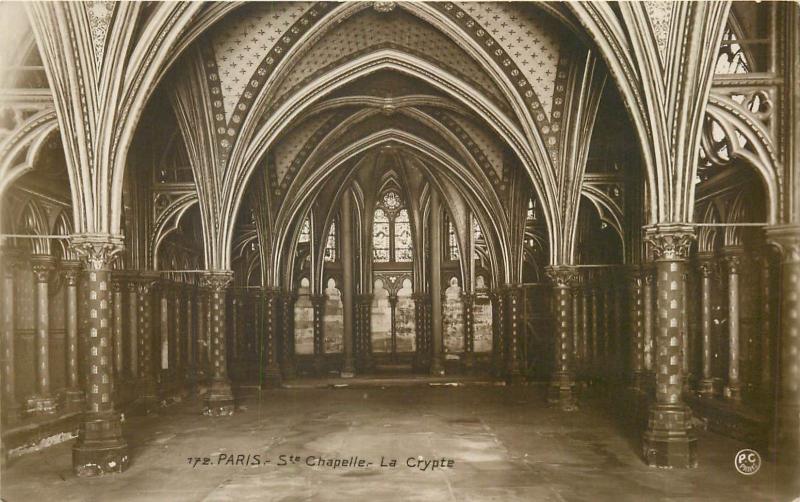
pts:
[561, 394]
[468, 361]
[669, 441]
[41, 405]
[706, 387]
[319, 365]
[100, 449]
[219, 399]
[348, 368]
[515, 377]
[74, 400]
[289, 369]
[733, 393]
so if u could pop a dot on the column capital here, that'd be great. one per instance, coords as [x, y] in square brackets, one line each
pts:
[671, 241]
[42, 266]
[97, 250]
[706, 266]
[217, 280]
[562, 276]
[733, 256]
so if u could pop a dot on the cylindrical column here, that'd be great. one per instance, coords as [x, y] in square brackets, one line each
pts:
[616, 330]
[498, 332]
[219, 399]
[73, 395]
[607, 358]
[236, 302]
[191, 338]
[116, 302]
[705, 267]
[468, 302]
[669, 440]
[148, 362]
[10, 406]
[562, 382]
[637, 329]
[43, 401]
[649, 319]
[586, 328]
[318, 306]
[514, 332]
[133, 329]
[346, 239]
[437, 360]
[733, 261]
[577, 332]
[272, 372]
[595, 327]
[100, 448]
[686, 356]
[287, 319]
[419, 331]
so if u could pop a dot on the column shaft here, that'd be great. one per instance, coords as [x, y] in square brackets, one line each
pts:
[733, 390]
[346, 238]
[705, 267]
[562, 382]
[43, 401]
[437, 358]
[219, 399]
[10, 406]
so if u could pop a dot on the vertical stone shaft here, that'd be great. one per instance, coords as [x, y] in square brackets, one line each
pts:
[100, 447]
[498, 331]
[616, 331]
[73, 397]
[468, 302]
[219, 399]
[649, 320]
[133, 329]
[437, 361]
[577, 333]
[272, 372]
[637, 329]
[148, 367]
[116, 301]
[562, 382]
[705, 267]
[608, 308]
[191, 338]
[733, 390]
[318, 304]
[514, 304]
[586, 328]
[348, 364]
[766, 323]
[42, 401]
[596, 363]
[669, 439]
[287, 319]
[10, 406]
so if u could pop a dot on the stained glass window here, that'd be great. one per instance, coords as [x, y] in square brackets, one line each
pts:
[452, 242]
[391, 200]
[531, 214]
[305, 231]
[402, 237]
[380, 236]
[731, 58]
[330, 244]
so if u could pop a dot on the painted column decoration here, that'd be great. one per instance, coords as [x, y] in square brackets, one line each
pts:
[287, 323]
[148, 367]
[669, 439]
[577, 332]
[318, 304]
[419, 333]
[733, 261]
[272, 372]
[43, 401]
[10, 406]
[563, 380]
[346, 239]
[100, 448]
[191, 338]
[116, 302]
[219, 399]
[73, 396]
[649, 321]
[637, 329]
[705, 267]
[133, 329]
[514, 331]
[436, 348]
[499, 332]
[468, 302]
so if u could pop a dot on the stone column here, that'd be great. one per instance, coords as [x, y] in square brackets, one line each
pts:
[586, 327]
[616, 331]
[10, 405]
[514, 332]
[272, 372]
[766, 322]
[191, 339]
[116, 313]
[437, 358]
[149, 364]
[669, 439]
[365, 355]
[705, 266]
[318, 304]
[133, 329]
[346, 239]
[787, 435]
[219, 399]
[498, 332]
[563, 380]
[607, 291]
[595, 327]
[577, 333]
[468, 302]
[287, 319]
[393, 327]
[178, 335]
[100, 448]
[649, 319]
[42, 402]
[733, 261]
[235, 326]
[203, 358]
[419, 330]
[73, 395]
[637, 329]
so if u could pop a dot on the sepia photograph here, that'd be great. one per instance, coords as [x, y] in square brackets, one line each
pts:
[399, 251]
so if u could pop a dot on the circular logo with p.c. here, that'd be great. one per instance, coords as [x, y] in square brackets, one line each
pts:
[747, 462]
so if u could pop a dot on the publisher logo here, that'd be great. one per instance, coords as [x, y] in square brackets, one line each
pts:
[747, 462]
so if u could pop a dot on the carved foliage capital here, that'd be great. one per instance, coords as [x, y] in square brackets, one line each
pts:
[42, 266]
[670, 242]
[97, 251]
[562, 276]
[217, 281]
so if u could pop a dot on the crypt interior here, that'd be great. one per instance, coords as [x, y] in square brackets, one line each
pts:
[557, 242]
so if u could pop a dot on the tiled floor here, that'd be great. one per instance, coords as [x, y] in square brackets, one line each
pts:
[505, 443]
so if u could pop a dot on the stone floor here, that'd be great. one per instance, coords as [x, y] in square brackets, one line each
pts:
[506, 445]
